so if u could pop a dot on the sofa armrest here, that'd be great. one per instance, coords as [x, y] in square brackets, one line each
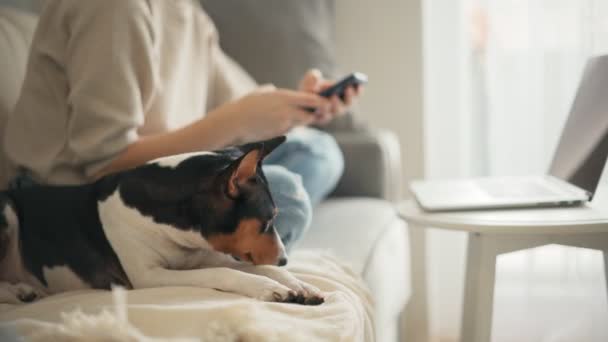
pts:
[372, 164]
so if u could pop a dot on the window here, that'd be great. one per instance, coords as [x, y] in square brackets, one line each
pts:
[500, 76]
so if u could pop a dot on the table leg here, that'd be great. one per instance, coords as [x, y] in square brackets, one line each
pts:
[479, 289]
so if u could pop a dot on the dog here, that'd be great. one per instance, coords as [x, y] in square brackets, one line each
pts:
[198, 219]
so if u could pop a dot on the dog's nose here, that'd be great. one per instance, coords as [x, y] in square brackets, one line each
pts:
[282, 261]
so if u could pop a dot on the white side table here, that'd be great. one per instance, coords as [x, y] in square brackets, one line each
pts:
[494, 232]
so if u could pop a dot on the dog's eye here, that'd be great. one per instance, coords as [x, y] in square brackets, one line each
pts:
[267, 226]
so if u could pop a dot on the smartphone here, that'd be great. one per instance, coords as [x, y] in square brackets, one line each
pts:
[353, 80]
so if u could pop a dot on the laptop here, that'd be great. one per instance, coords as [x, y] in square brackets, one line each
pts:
[574, 173]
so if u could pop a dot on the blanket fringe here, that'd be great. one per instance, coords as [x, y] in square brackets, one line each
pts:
[107, 326]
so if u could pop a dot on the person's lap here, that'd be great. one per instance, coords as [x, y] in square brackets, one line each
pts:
[301, 172]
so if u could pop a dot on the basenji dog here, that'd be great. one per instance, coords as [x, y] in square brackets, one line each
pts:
[198, 219]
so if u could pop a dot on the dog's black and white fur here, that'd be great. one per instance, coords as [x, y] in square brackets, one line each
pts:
[201, 219]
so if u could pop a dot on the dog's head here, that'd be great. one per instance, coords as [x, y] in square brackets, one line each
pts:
[223, 195]
[248, 211]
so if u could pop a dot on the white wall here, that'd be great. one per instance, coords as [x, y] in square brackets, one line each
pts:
[383, 39]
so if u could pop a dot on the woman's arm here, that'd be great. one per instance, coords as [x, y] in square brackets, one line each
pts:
[263, 114]
[203, 135]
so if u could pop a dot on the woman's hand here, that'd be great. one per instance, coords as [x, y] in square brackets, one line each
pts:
[313, 82]
[269, 112]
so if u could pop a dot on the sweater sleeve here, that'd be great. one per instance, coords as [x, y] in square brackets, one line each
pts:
[111, 70]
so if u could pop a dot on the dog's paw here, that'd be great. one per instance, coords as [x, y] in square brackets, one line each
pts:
[26, 293]
[306, 300]
[276, 293]
[19, 293]
[312, 295]
[314, 300]
[304, 293]
[307, 294]
[272, 291]
[291, 296]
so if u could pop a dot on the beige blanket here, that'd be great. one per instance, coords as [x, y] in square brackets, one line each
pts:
[203, 314]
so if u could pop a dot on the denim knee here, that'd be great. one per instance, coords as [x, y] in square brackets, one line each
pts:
[292, 201]
[327, 162]
[316, 156]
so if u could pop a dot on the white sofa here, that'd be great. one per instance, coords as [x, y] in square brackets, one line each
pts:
[358, 224]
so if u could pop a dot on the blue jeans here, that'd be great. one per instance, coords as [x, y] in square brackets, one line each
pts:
[300, 173]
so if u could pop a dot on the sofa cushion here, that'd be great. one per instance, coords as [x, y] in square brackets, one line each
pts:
[16, 32]
[368, 234]
[350, 228]
[276, 40]
[387, 275]
[33, 6]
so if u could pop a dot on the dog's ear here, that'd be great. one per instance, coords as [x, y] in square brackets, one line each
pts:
[246, 167]
[270, 145]
[242, 170]
[265, 147]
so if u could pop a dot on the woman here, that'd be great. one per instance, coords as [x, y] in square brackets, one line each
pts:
[112, 84]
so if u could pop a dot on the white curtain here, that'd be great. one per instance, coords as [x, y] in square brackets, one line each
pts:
[534, 54]
[500, 77]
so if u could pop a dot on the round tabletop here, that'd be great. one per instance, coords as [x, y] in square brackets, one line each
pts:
[566, 220]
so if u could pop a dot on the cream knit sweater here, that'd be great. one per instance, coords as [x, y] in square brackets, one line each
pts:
[101, 73]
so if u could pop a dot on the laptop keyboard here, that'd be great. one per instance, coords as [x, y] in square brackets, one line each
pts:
[511, 189]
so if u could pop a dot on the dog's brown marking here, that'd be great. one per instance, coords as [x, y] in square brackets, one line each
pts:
[249, 243]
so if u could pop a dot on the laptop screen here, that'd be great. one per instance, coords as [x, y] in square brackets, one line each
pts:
[582, 150]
